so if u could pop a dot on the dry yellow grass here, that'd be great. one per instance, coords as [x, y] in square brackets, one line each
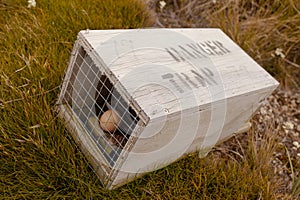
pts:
[38, 160]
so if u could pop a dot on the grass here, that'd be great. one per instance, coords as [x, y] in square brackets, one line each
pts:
[261, 28]
[38, 160]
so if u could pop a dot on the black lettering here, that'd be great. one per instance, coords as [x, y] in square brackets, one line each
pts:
[183, 81]
[175, 58]
[221, 47]
[178, 54]
[189, 53]
[170, 77]
[202, 49]
[176, 85]
[196, 51]
[209, 75]
[189, 80]
[212, 47]
[199, 77]
[167, 76]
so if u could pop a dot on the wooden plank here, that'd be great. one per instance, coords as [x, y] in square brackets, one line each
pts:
[234, 71]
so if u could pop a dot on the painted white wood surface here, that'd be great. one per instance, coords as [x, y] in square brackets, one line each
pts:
[191, 94]
[238, 72]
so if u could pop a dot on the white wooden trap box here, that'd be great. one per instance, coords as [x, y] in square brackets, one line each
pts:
[164, 93]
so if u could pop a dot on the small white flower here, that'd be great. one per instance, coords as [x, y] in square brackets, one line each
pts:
[31, 3]
[288, 125]
[214, 1]
[294, 148]
[263, 111]
[279, 52]
[162, 4]
[296, 144]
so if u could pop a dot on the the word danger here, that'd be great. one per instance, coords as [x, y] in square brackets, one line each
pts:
[197, 50]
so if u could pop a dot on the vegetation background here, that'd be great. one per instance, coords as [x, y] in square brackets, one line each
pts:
[38, 159]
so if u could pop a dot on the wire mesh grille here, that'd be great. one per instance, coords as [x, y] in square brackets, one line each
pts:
[106, 117]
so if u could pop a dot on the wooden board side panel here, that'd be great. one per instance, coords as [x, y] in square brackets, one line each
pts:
[239, 112]
[149, 154]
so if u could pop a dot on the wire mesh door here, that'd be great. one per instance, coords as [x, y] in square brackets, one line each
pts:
[101, 110]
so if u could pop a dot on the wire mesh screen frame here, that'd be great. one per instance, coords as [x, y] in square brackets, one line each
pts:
[85, 85]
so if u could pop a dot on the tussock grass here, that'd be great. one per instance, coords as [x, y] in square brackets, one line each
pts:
[37, 158]
[260, 28]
